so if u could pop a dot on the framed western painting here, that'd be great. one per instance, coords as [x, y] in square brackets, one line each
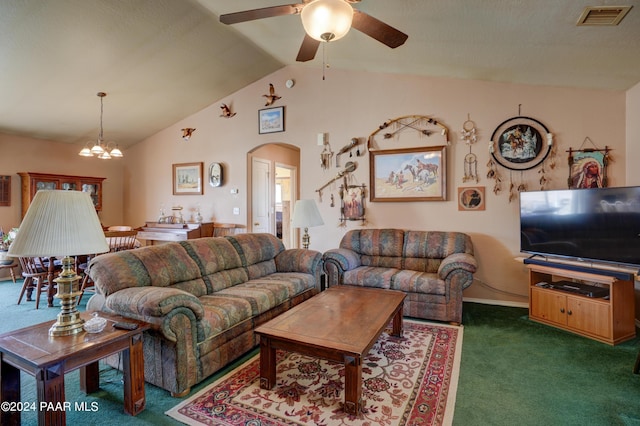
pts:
[408, 174]
[271, 120]
[187, 179]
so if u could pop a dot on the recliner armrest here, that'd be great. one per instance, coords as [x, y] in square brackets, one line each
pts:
[299, 260]
[344, 259]
[456, 261]
[148, 302]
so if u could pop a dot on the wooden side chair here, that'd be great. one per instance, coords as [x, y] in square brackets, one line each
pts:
[118, 241]
[36, 274]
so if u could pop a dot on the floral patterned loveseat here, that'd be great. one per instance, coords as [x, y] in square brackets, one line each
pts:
[203, 299]
[431, 267]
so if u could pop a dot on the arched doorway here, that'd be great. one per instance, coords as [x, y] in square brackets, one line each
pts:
[274, 187]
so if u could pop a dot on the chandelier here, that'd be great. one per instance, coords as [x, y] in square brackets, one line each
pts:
[99, 148]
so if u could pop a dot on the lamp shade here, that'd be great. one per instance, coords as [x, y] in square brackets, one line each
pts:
[59, 223]
[306, 214]
[327, 20]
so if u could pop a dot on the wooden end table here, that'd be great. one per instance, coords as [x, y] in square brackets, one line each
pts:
[33, 351]
[340, 324]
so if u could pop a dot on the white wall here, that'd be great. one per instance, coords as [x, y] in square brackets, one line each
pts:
[354, 104]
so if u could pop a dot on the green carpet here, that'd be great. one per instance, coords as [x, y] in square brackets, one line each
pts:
[513, 372]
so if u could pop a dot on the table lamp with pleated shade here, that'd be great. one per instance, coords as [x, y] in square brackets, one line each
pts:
[61, 224]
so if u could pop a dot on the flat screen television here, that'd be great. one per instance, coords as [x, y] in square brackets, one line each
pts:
[599, 224]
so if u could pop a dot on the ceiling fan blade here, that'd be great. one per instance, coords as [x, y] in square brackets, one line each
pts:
[308, 49]
[265, 12]
[377, 29]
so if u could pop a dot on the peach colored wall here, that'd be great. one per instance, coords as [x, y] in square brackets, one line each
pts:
[19, 154]
[633, 135]
[354, 104]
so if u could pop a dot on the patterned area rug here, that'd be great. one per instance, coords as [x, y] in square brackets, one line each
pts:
[407, 381]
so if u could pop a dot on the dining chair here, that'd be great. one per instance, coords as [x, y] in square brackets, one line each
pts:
[118, 241]
[36, 274]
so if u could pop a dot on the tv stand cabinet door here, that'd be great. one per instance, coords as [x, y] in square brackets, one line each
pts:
[589, 317]
[548, 306]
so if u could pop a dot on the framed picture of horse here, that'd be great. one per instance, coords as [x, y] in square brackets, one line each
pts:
[408, 174]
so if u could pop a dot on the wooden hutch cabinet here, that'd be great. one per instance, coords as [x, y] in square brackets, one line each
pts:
[32, 182]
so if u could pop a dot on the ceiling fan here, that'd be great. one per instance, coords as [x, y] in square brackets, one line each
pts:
[324, 20]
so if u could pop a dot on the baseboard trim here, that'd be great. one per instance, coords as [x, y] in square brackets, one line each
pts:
[508, 303]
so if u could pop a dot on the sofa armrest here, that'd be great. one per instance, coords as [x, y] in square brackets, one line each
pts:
[344, 259]
[457, 261]
[299, 260]
[150, 302]
[337, 262]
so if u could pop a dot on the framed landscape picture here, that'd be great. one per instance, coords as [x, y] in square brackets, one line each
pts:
[271, 120]
[187, 179]
[408, 174]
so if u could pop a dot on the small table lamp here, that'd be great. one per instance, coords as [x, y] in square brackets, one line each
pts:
[61, 223]
[306, 215]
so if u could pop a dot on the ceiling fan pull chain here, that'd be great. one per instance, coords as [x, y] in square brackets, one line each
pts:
[324, 60]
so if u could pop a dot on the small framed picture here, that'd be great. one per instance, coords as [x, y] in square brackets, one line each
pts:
[471, 198]
[271, 120]
[187, 179]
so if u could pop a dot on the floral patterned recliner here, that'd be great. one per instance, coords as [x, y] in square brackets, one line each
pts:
[431, 267]
[203, 299]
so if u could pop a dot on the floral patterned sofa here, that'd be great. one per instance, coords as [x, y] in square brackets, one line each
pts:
[432, 268]
[203, 299]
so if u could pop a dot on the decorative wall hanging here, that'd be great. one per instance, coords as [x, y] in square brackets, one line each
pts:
[408, 174]
[187, 132]
[469, 136]
[271, 96]
[520, 144]
[215, 174]
[352, 202]
[5, 191]
[348, 168]
[271, 120]
[325, 156]
[226, 111]
[354, 143]
[588, 166]
[187, 179]
[471, 198]
[422, 124]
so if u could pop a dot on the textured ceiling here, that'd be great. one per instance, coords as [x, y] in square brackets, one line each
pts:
[162, 60]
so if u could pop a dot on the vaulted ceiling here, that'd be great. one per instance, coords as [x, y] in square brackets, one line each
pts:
[162, 60]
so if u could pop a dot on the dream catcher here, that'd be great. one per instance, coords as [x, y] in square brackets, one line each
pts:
[469, 136]
[520, 144]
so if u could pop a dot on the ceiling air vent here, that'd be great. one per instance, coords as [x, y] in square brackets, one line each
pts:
[603, 15]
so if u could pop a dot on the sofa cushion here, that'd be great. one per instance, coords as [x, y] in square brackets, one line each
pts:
[418, 282]
[257, 252]
[377, 247]
[369, 276]
[170, 265]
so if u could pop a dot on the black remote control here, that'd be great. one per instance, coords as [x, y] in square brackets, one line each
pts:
[125, 325]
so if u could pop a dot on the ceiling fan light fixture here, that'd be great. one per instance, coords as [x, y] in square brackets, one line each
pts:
[327, 20]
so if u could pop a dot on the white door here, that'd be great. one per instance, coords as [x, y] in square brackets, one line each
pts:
[261, 196]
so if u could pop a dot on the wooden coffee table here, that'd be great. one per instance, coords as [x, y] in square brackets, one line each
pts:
[33, 351]
[340, 324]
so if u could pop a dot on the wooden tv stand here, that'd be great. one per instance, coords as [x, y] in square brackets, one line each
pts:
[610, 320]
